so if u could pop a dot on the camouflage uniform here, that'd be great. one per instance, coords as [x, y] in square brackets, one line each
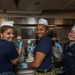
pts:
[52, 72]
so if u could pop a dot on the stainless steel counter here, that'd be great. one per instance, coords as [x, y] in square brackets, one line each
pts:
[20, 71]
[25, 72]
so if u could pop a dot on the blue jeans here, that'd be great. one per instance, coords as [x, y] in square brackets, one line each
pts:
[7, 73]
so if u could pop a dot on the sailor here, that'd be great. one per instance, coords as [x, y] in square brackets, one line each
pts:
[69, 54]
[42, 53]
[8, 53]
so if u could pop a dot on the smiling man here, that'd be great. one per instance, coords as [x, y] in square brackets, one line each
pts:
[69, 54]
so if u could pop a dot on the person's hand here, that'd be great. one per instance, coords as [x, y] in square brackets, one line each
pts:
[19, 44]
[24, 65]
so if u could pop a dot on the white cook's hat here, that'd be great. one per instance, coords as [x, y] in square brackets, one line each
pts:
[7, 23]
[73, 28]
[43, 21]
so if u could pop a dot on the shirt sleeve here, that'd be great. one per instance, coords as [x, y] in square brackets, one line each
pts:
[12, 52]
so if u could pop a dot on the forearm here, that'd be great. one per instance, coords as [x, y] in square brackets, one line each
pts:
[19, 50]
[33, 65]
[30, 65]
[15, 60]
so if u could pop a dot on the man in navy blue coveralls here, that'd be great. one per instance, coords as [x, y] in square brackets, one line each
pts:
[69, 54]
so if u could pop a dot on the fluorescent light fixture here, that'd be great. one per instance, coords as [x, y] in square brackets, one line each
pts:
[23, 11]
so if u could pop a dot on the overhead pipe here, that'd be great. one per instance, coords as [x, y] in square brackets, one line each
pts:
[67, 4]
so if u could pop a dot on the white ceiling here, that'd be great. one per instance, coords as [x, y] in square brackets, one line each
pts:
[36, 6]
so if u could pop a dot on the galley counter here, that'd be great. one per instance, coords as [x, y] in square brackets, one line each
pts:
[20, 71]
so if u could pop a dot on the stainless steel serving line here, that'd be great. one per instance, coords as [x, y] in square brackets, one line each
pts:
[20, 71]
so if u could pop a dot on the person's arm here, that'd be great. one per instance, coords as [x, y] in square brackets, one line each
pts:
[61, 51]
[19, 50]
[37, 61]
[58, 47]
[14, 61]
[13, 53]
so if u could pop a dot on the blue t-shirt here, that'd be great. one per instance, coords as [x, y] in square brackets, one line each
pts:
[8, 52]
[44, 46]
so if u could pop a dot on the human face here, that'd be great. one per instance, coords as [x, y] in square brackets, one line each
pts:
[8, 35]
[41, 31]
[71, 35]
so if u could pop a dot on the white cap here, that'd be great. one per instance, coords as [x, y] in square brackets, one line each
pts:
[73, 28]
[7, 23]
[29, 41]
[43, 21]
